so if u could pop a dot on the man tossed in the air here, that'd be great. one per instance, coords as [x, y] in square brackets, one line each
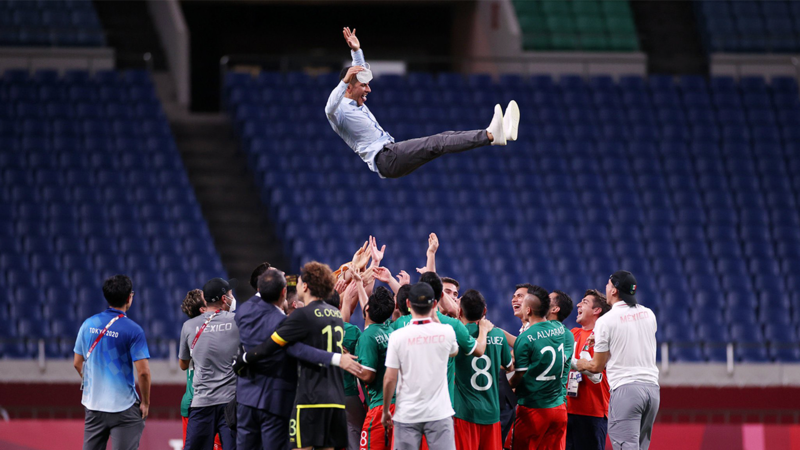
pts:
[353, 121]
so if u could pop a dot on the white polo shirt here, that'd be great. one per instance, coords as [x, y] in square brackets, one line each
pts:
[629, 334]
[420, 352]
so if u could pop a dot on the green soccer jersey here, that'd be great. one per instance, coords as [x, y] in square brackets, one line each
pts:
[351, 336]
[186, 401]
[466, 344]
[476, 397]
[371, 353]
[544, 352]
[401, 322]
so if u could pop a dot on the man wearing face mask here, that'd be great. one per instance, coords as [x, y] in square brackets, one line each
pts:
[355, 124]
[211, 340]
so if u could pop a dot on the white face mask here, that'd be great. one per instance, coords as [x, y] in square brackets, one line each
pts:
[365, 76]
[232, 303]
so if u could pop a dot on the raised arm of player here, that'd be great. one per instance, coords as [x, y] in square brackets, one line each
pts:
[433, 245]
[383, 274]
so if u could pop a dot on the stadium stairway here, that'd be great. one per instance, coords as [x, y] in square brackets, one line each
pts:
[130, 30]
[227, 195]
[669, 35]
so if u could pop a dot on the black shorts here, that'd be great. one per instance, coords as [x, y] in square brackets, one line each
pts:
[318, 426]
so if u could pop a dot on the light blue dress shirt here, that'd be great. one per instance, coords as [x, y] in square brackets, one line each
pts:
[355, 124]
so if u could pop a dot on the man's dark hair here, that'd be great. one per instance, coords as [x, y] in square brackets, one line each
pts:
[435, 282]
[540, 293]
[402, 296]
[599, 301]
[117, 289]
[261, 268]
[381, 305]
[334, 299]
[565, 305]
[319, 279]
[451, 281]
[270, 285]
[473, 304]
[422, 310]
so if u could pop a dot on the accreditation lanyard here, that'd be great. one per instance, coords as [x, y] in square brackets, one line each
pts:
[202, 328]
[94, 344]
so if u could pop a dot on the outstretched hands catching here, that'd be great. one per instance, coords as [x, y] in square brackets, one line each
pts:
[351, 39]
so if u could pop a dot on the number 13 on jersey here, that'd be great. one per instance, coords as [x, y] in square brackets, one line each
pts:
[329, 331]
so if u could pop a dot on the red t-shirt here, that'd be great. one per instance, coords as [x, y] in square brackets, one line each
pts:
[592, 399]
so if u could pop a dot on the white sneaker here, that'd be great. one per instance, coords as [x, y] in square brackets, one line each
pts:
[496, 127]
[511, 121]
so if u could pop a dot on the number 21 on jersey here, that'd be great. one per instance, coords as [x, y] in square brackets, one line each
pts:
[549, 349]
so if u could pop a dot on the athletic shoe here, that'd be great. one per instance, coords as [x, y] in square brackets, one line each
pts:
[496, 127]
[511, 121]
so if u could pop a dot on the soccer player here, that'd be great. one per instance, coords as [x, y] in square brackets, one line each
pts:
[355, 124]
[561, 306]
[416, 364]
[371, 353]
[587, 409]
[467, 344]
[477, 401]
[318, 418]
[543, 355]
[625, 342]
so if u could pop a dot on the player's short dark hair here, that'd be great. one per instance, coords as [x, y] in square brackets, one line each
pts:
[599, 301]
[193, 302]
[540, 293]
[319, 279]
[473, 304]
[334, 299]
[261, 268]
[422, 310]
[565, 305]
[271, 284]
[117, 289]
[435, 282]
[451, 281]
[402, 296]
[381, 305]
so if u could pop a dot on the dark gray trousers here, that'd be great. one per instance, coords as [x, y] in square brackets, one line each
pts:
[631, 413]
[124, 427]
[401, 158]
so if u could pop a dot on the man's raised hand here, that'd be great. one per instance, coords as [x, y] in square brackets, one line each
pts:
[403, 278]
[433, 243]
[351, 39]
[351, 72]
[377, 255]
[382, 274]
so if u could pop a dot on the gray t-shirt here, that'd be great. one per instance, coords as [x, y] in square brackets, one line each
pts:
[213, 355]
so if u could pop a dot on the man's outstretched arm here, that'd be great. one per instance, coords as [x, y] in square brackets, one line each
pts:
[358, 65]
